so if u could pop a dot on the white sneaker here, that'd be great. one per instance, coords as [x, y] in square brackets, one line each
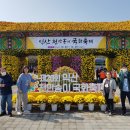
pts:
[110, 114]
[26, 112]
[19, 113]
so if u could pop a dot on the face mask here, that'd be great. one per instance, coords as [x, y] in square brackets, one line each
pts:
[124, 70]
[3, 73]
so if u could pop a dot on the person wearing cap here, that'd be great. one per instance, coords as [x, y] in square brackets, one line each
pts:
[5, 92]
[23, 84]
[124, 86]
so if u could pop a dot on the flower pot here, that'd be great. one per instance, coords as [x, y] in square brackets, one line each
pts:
[103, 107]
[80, 106]
[91, 106]
[42, 106]
[67, 107]
[54, 107]
[29, 107]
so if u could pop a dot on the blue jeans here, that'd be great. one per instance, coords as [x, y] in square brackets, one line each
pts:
[6, 99]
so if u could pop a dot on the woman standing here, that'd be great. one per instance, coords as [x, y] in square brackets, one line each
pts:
[23, 84]
[109, 88]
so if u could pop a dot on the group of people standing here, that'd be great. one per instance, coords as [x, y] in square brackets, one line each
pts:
[109, 88]
[23, 84]
[101, 74]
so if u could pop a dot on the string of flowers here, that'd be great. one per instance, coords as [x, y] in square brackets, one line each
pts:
[12, 26]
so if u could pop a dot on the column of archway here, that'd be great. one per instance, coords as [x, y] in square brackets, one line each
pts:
[44, 64]
[87, 68]
[12, 64]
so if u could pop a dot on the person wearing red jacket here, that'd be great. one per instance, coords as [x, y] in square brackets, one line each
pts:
[102, 76]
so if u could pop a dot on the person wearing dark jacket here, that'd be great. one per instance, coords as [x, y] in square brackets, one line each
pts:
[5, 92]
[124, 86]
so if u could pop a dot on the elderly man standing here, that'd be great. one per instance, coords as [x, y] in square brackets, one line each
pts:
[124, 85]
[5, 92]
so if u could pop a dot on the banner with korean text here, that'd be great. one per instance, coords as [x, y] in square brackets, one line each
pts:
[65, 42]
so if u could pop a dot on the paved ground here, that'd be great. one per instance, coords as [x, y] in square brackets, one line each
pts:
[66, 121]
[72, 120]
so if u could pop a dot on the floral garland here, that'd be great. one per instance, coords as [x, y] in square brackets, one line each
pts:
[68, 53]
[11, 26]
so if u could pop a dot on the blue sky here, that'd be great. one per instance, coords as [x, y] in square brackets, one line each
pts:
[64, 10]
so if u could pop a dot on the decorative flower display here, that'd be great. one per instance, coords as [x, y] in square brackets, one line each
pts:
[44, 64]
[101, 100]
[87, 68]
[31, 99]
[85, 60]
[75, 64]
[63, 70]
[54, 99]
[12, 26]
[91, 98]
[79, 98]
[13, 65]
[116, 99]
[56, 60]
[41, 99]
[66, 99]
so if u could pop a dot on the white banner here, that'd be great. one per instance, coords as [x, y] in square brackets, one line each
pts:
[65, 42]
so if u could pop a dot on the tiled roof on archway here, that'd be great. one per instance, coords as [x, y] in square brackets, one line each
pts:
[43, 26]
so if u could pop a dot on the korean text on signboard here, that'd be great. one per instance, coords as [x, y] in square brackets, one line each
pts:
[65, 82]
[65, 42]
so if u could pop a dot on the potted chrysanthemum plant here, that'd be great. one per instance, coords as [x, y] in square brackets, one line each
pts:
[79, 99]
[42, 99]
[54, 100]
[67, 100]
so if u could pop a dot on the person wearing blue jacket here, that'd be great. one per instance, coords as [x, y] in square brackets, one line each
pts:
[5, 92]
[124, 86]
[23, 84]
